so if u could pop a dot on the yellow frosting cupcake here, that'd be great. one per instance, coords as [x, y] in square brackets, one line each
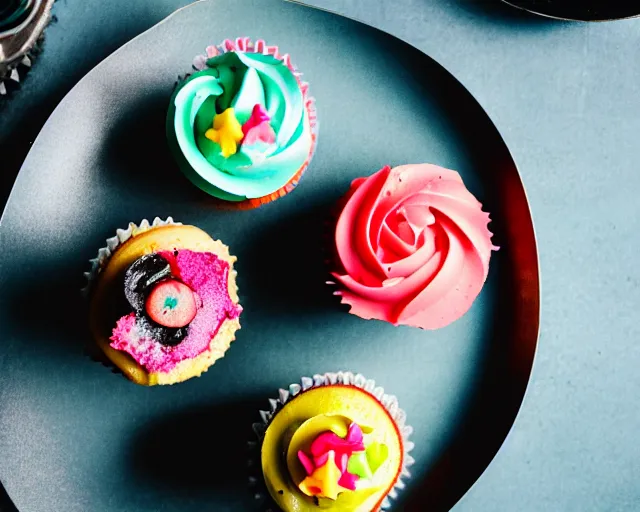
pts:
[180, 325]
[335, 442]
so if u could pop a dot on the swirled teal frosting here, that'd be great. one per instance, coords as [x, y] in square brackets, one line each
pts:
[240, 81]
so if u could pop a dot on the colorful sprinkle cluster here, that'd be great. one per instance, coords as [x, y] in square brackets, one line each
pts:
[229, 133]
[337, 464]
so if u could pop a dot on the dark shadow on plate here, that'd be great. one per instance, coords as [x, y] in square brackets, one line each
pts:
[199, 450]
[29, 109]
[484, 421]
[6, 504]
[24, 129]
[136, 155]
[47, 307]
[285, 265]
[491, 408]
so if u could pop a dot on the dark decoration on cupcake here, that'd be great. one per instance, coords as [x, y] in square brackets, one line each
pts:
[163, 306]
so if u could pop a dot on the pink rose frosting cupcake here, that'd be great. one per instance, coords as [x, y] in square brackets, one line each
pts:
[412, 247]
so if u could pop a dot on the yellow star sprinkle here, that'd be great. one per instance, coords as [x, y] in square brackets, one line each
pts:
[324, 480]
[226, 131]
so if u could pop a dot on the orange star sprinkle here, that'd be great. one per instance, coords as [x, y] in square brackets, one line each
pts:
[324, 480]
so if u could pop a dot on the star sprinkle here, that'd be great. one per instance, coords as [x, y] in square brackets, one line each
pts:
[258, 116]
[306, 462]
[226, 131]
[330, 441]
[329, 449]
[257, 128]
[377, 454]
[358, 465]
[324, 480]
[336, 464]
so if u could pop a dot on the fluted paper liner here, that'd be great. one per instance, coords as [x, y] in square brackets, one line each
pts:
[389, 402]
[98, 263]
[122, 235]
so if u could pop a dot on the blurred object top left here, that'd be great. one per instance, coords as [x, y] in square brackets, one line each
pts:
[22, 25]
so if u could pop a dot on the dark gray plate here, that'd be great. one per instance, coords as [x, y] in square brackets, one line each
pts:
[75, 437]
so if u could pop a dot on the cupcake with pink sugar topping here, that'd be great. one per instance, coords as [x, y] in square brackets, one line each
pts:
[163, 301]
[412, 247]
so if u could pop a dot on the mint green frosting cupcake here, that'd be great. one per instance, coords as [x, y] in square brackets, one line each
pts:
[242, 127]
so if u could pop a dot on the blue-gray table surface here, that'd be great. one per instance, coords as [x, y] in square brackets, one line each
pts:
[566, 97]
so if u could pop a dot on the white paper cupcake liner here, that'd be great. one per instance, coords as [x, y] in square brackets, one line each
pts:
[122, 235]
[389, 402]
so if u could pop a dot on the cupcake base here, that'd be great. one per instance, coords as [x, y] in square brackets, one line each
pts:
[388, 402]
[112, 260]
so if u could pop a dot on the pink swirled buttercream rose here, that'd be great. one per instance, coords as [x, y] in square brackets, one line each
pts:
[413, 246]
